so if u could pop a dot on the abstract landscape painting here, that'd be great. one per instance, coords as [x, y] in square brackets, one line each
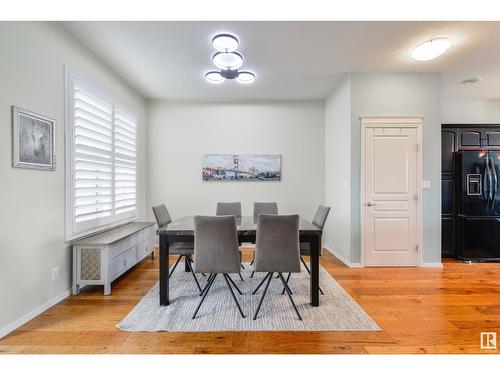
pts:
[241, 167]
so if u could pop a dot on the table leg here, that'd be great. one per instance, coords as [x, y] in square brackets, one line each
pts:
[164, 267]
[314, 243]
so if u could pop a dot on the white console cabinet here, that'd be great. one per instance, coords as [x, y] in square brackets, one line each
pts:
[100, 259]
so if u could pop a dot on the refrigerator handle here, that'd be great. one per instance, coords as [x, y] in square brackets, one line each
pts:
[494, 183]
[486, 185]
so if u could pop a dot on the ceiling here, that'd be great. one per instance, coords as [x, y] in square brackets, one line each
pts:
[292, 60]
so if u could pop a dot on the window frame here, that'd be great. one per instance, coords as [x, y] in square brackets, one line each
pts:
[116, 219]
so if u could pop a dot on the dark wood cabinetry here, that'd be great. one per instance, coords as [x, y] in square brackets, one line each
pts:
[454, 138]
[450, 139]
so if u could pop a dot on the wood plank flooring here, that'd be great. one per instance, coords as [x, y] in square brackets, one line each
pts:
[419, 311]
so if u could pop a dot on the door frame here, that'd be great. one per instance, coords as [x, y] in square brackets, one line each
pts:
[412, 122]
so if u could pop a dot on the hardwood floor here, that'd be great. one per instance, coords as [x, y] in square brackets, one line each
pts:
[419, 311]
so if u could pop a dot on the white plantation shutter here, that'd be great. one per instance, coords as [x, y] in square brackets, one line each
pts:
[102, 188]
[125, 154]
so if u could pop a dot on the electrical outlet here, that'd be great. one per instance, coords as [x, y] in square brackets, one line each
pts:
[55, 273]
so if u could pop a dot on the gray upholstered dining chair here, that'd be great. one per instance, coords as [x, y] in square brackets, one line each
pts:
[216, 252]
[305, 250]
[266, 208]
[277, 251]
[183, 249]
[229, 208]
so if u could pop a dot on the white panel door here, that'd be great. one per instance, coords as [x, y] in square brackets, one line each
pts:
[390, 207]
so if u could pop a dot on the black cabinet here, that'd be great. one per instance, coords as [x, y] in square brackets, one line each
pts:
[448, 148]
[492, 138]
[450, 139]
[469, 139]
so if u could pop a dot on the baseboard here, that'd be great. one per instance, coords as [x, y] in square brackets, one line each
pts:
[342, 258]
[4, 331]
[356, 265]
[432, 265]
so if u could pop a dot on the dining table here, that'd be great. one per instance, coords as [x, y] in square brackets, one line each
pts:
[182, 230]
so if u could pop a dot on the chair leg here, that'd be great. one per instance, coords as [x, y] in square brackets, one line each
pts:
[309, 272]
[194, 275]
[287, 278]
[175, 265]
[242, 266]
[241, 277]
[232, 293]
[205, 293]
[251, 276]
[234, 284]
[192, 262]
[289, 295]
[207, 284]
[269, 278]
[258, 286]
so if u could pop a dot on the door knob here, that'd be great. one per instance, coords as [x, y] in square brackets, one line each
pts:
[369, 204]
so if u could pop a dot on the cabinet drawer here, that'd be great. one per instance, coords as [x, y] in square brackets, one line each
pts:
[145, 248]
[148, 232]
[122, 246]
[123, 262]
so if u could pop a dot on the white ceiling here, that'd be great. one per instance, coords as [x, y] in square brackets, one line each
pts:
[292, 60]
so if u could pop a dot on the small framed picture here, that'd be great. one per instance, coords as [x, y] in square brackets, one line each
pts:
[33, 140]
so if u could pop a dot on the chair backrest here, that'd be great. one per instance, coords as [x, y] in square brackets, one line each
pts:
[216, 244]
[320, 216]
[229, 208]
[162, 216]
[265, 208]
[277, 243]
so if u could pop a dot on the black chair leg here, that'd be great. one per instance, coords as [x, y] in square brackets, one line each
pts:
[194, 275]
[241, 277]
[309, 272]
[269, 278]
[205, 293]
[289, 295]
[234, 284]
[192, 262]
[251, 276]
[232, 293]
[242, 266]
[175, 265]
[260, 284]
[287, 279]
[207, 284]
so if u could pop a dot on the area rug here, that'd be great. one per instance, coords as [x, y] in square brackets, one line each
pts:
[337, 310]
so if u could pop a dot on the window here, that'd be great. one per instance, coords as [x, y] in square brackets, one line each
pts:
[101, 160]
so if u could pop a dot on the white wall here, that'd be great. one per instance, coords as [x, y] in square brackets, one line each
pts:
[337, 231]
[32, 202]
[470, 111]
[401, 94]
[180, 132]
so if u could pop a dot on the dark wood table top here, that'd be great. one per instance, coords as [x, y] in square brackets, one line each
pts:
[245, 226]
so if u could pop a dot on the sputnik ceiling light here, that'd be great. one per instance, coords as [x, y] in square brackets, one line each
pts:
[228, 61]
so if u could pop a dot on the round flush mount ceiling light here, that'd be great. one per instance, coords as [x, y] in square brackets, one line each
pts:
[214, 77]
[227, 60]
[471, 81]
[430, 49]
[225, 43]
[245, 77]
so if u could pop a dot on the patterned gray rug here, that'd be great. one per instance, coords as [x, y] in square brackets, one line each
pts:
[337, 310]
